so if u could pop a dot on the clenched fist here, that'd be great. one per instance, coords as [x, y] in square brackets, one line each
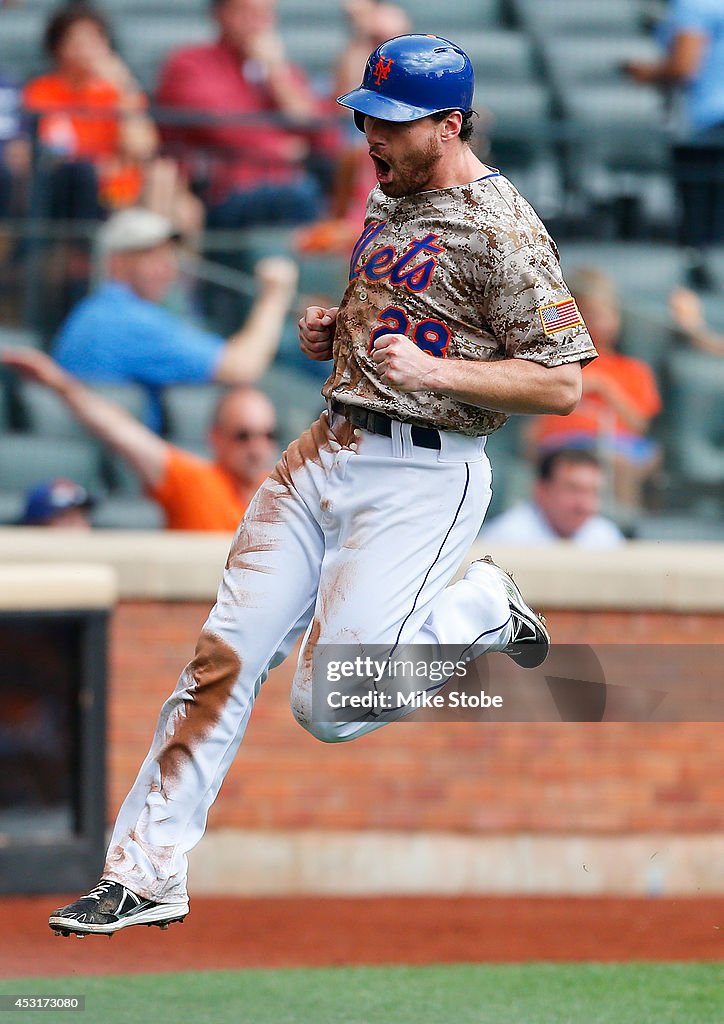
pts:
[402, 364]
[316, 332]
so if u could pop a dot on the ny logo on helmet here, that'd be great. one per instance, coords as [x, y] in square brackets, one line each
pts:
[382, 69]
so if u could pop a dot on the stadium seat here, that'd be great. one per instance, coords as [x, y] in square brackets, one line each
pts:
[11, 507]
[617, 155]
[160, 7]
[500, 56]
[322, 276]
[317, 57]
[617, 123]
[296, 398]
[646, 331]
[714, 302]
[310, 12]
[515, 117]
[123, 513]
[26, 459]
[21, 48]
[450, 20]
[547, 17]
[19, 336]
[571, 58]
[187, 411]
[145, 40]
[4, 408]
[44, 413]
[697, 409]
[636, 267]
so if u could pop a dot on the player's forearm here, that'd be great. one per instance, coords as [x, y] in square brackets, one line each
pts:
[509, 385]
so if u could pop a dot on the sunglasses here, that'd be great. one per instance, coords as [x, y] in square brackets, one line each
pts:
[251, 435]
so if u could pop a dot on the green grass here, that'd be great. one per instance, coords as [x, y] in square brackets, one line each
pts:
[461, 994]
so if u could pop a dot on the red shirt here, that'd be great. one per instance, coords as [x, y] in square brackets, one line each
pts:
[213, 79]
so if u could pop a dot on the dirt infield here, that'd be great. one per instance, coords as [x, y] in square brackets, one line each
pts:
[231, 934]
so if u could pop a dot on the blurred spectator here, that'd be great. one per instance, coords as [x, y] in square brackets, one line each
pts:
[92, 117]
[371, 23]
[565, 505]
[256, 168]
[60, 503]
[693, 34]
[194, 493]
[14, 149]
[620, 396]
[688, 314]
[121, 333]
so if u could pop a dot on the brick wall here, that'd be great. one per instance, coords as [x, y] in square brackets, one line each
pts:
[608, 779]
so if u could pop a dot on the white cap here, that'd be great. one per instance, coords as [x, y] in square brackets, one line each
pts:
[135, 228]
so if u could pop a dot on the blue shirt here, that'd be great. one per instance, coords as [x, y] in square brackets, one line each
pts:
[705, 91]
[114, 336]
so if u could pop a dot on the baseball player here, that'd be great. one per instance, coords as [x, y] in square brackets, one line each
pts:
[456, 315]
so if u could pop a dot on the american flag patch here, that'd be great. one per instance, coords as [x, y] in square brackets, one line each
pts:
[560, 315]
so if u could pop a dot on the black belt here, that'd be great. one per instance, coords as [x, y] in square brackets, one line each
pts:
[378, 423]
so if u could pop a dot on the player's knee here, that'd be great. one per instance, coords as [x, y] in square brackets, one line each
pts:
[325, 732]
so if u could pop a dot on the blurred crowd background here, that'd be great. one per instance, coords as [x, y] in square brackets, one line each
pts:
[177, 184]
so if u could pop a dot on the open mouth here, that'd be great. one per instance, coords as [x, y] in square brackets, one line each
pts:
[382, 169]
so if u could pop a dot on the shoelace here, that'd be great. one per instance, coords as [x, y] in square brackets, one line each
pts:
[100, 890]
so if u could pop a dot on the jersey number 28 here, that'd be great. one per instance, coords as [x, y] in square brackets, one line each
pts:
[431, 336]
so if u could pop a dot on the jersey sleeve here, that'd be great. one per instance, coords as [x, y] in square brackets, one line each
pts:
[531, 312]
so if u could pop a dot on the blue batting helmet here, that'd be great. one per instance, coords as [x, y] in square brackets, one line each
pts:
[410, 77]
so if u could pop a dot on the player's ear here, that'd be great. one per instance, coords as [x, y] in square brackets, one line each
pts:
[451, 125]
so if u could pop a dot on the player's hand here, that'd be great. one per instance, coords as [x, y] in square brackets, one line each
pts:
[401, 363]
[35, 366]
[316, 332]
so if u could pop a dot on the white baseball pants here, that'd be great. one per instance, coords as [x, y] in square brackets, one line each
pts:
[352, 539]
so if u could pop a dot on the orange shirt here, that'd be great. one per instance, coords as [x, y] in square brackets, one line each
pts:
[634, 377]
[197, 494]
[79, 123]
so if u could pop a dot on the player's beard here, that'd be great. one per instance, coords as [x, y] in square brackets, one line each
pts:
[414, 172]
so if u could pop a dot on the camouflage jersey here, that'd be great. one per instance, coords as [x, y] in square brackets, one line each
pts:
[467, 272]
